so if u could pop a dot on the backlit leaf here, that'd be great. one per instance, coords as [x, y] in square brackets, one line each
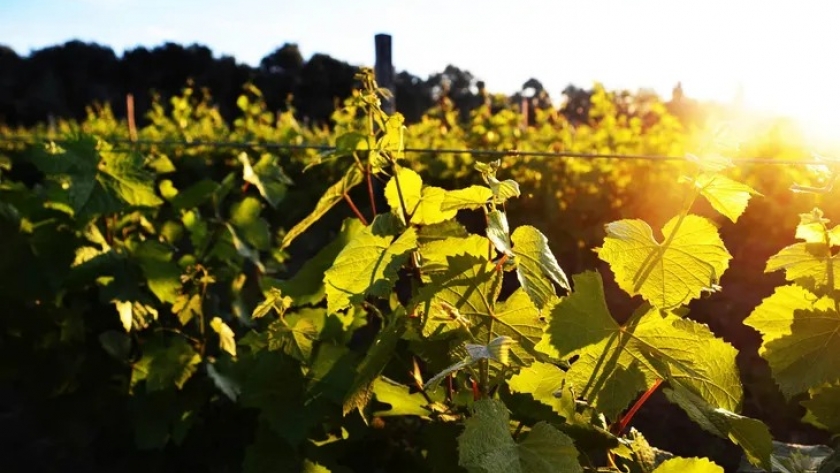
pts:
[688, 465]
[799, 332]
[367, 266]
[728, 197]
[498, 231]
[689, 261]
[227, 339]
[536, 266]
[472, 197]
[618, 362]
[423, 204]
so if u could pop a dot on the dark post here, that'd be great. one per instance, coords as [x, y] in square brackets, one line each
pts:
[384, 70]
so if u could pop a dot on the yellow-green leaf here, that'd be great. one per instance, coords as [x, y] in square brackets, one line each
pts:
[688, 465]
[367, 266]
[800, 338]
[728, 197]
[423, 204]
[473, 197]
[536, 266]
[689, 261]
[227, 339]
[617, 362]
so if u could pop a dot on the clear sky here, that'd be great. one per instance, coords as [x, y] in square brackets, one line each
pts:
[783, 53]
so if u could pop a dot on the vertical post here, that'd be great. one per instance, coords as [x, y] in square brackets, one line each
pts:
[129, 111]
[384, 70]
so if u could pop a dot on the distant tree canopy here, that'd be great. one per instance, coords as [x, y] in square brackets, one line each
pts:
[61, 81]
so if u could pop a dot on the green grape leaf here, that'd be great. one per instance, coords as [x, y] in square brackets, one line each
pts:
[751, 434]
[691, 259]
[378, 355]
[334, 194]
[688, 465]
[85, 177]
[163, 276]
[541, 381]
[498, 231]
[307, 285]
[441, 231]
[472, 197]
[518, 318]
[728, 197]
[503, 190]
[227, 339]
[274, 384]
[194, 195]
[617, 362]
[267, 176]
[392, 139]
[810, 262]
[423, 204]
[165, 363]
[295, 336]
[465, 294]
[274, 301]
[800, 334]
[434, 254]
[487, 446]
[187, 306]
[399, 398]
[824, 408]
[367, 266]
[245, 217]
[536, 266]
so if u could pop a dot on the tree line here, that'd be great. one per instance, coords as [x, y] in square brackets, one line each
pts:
[61, 81]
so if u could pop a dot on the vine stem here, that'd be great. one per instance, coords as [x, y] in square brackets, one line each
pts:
[619, 427]
[355, 209]
[370, 189]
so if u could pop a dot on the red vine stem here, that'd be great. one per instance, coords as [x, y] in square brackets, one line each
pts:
[370, 190]
[355, 209]
[619, 427]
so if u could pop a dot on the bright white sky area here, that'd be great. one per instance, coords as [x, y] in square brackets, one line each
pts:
[782, 53]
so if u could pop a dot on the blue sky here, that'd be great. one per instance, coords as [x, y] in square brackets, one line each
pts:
[781, 52]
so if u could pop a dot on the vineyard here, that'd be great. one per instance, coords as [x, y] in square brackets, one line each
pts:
[268, 296]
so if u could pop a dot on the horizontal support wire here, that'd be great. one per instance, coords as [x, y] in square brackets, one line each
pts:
[475, 152]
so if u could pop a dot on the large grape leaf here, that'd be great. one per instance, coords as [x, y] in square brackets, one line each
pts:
[751, 434]
[690, 260]
[85, 177]
[423, 203]
[728, 197]
[367, 266]
[334, 194]
[800, 338]
[486, 445]
[536, 266]
[518, 318]
[617, 362]
[434, 254]
[541, 381]
[464, 295]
